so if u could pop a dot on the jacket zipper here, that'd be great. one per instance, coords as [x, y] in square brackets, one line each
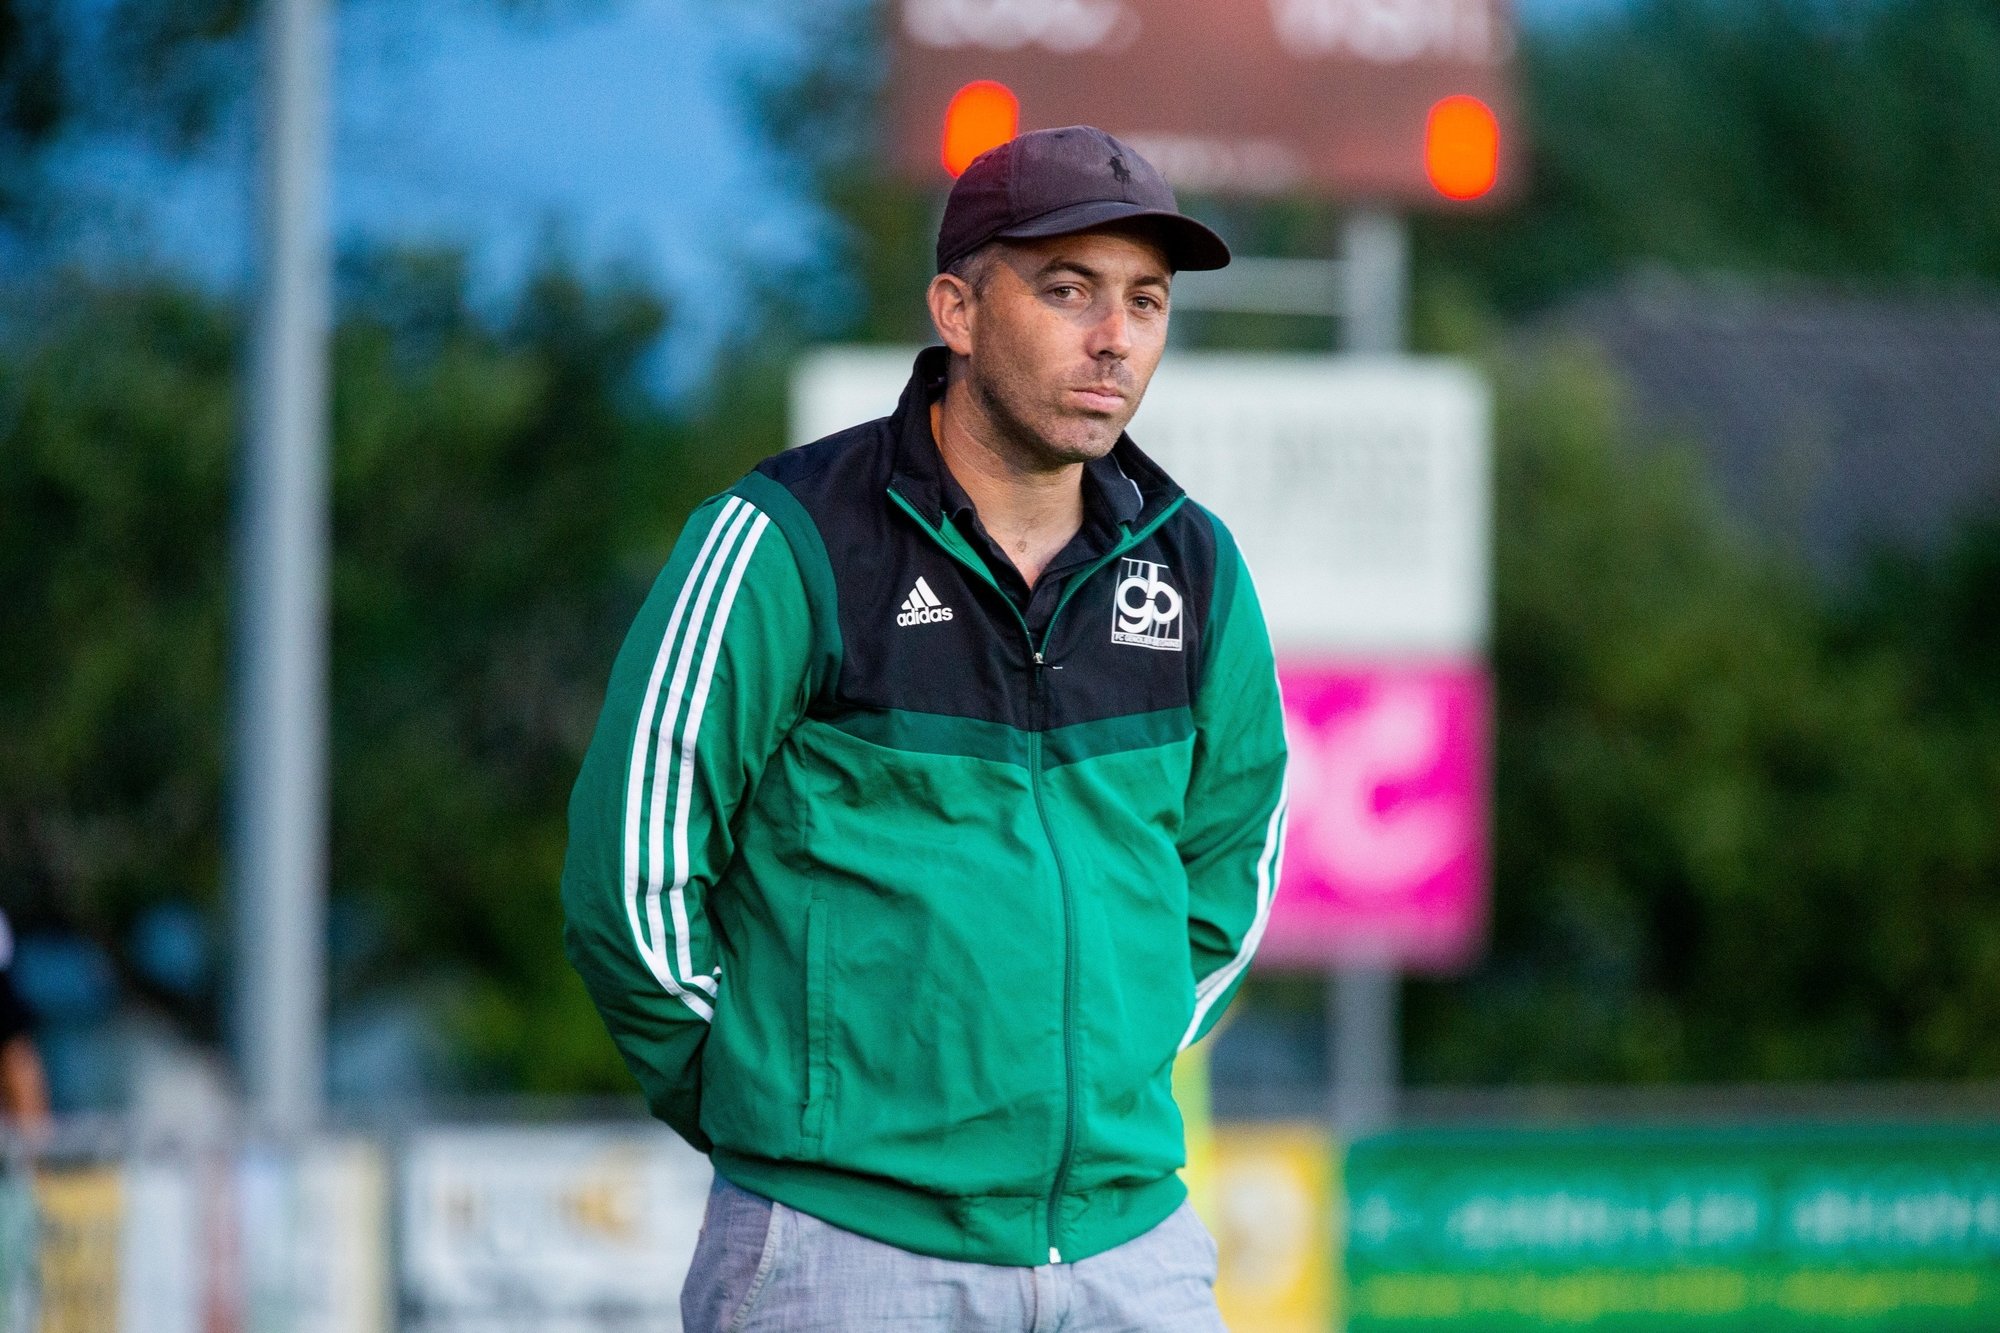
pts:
[1069, 958]
[1039, 718]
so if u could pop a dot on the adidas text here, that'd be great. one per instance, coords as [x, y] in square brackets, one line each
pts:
[922, 606]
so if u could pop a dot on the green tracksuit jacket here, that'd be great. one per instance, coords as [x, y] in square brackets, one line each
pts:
[902, 911]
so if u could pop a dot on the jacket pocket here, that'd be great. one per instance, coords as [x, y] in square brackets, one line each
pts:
[818, 1021]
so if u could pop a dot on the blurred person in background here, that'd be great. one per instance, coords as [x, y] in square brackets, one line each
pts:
[24, 1088]
[935, 803]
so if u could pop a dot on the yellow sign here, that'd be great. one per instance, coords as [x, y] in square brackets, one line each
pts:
[1271, 1209]
[82, 1223]
[1191, 1092]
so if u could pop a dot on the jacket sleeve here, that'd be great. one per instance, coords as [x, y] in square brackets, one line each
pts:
[1234, 825]
[710, 679]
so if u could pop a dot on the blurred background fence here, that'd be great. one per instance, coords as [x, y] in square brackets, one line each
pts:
[1717, 1208]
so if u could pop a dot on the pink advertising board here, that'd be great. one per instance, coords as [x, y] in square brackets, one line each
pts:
[1385, 849]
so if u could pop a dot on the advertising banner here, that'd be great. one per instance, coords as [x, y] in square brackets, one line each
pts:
[1836, 1230]
[164, 1249]
[1227, 96]
[1271, 1211]
[1198, 1122]
[550, 1228]
[82, 1216]
[18, 1253]
[315, 1237]
[341, 1271]
[1358, 488]
[1385, 848]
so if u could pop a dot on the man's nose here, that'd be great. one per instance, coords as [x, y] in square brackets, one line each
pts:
[1111, 335]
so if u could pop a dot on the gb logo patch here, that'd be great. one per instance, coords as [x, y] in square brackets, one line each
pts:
[1146, 610]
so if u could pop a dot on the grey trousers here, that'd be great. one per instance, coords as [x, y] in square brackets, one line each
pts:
[761, 1267]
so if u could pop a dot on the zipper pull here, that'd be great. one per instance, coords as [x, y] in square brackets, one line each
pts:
[1055, 1255]
[1038, 659]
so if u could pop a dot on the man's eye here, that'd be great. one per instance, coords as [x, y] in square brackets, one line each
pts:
[1063, 288]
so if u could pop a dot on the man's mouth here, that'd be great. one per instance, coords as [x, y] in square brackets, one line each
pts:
[1100, 398]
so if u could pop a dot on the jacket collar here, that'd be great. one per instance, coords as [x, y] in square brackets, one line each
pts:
[1136, 487]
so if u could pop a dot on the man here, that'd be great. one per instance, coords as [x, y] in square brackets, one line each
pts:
[936, 803]
[24, 1087]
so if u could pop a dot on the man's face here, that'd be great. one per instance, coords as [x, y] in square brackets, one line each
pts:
[1061, 338]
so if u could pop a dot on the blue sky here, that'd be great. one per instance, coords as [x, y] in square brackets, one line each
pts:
[619, 127]
[619, 123]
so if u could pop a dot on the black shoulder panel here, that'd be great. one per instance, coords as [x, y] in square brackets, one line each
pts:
[922, 629]
[1131, 638]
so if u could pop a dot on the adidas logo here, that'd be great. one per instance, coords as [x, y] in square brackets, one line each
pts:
[922, 607]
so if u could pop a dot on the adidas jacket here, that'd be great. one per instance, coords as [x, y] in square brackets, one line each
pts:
[898, 910]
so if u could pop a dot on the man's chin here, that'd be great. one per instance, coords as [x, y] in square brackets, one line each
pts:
[1080, 451]
[1081, 441]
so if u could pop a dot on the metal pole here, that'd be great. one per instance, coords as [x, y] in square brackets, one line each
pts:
[1362, 1006]
[1374, 278]
[1264, 286]
[278, 796]
[1363, 1000]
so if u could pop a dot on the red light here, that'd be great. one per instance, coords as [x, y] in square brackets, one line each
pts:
[982, 115]
[1462, 147]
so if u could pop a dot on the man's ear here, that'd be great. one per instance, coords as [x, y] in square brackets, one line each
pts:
[950, 300]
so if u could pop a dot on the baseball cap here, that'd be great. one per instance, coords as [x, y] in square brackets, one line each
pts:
[1055, 182]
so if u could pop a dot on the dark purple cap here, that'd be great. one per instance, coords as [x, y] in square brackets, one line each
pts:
[1054, 182]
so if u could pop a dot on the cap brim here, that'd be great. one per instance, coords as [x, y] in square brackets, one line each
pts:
[1189, 245]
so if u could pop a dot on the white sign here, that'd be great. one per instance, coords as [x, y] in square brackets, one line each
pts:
[340, 1270]
[314, 1238]
[1066, 27]
[549, 1228]
[837, 387]
[1357, 487]
[1392, 32]
[162, 1269]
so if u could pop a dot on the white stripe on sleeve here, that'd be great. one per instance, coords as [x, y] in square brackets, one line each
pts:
[690, 732]
[670, 711]
[1270, 865]
[655, 959]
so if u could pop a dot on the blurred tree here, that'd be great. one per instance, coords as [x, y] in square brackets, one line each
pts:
[1739, 834]
[162, 71]
[1945, 610]
[504, 501]
[1855, 139]
[504, 495]
[116, 419]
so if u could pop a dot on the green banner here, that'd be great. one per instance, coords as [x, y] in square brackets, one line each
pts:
[1763, 1231]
